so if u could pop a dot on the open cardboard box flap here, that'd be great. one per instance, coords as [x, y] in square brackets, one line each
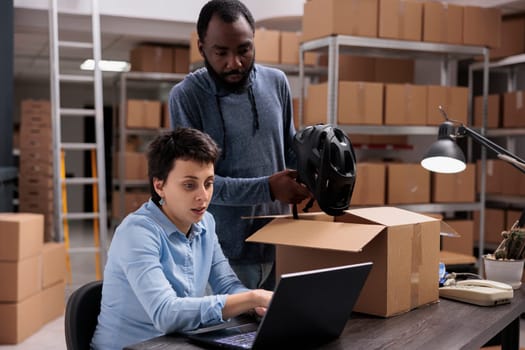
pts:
[317, 234]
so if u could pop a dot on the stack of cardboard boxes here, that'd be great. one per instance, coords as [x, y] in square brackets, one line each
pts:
[160, 59]
[33, 274]
[35, 184]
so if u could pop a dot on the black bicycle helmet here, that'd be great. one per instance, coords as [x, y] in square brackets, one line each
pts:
[326, 165]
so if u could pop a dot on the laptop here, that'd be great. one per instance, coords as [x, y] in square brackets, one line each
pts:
[307, 309]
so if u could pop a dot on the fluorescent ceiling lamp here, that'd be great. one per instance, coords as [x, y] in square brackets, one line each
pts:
[106, 65]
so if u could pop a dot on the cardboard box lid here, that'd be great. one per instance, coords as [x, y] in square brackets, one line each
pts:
[387, 216]
[317, 234]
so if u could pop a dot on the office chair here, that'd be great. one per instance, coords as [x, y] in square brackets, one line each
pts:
[82, 309]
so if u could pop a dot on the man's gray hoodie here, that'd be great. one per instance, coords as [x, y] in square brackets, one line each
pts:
[254, 129]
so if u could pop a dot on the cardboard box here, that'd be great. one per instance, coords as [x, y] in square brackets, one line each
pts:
[501, 178]
[464, 244]
[20, 279]
[35, 112]
[511, 216]
[370, 184]
[493, 107]
[482, 26]
[442, 23]
[195, 55]
[404, 247]
[152, 58]
[513, 109]
[512, 38]
[267, 44]
[494, 225]
[289, 50]
[181, 60]
[405, 104]
[360, 103]
[53, 263]
[132, 201]
[453, 99]
[20, 320]
[21, 235]
[54, 297]
[407, 184]
[328, 17]
[400, 19]
[455, 188]
[143, 114]
[135, 166]
[394, 70]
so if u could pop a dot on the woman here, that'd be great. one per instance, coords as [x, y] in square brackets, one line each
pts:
[163, 255]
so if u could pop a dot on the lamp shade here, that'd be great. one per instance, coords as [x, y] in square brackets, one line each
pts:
[444, 155]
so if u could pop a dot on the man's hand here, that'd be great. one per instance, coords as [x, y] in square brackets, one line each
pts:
[286, 189]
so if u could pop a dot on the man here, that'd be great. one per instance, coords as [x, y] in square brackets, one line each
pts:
[246, 108]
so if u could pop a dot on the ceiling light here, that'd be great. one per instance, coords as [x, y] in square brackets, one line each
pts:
[106, 65]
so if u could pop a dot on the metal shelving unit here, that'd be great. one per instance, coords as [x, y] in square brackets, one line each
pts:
[377, 47]
[123, 82]
[510, 66]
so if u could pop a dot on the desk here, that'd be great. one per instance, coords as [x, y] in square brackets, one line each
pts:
[444, 325]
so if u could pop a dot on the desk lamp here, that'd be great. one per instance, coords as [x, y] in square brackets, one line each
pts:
[444, 155]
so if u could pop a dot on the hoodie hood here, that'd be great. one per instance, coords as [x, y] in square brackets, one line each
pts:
[212, 86]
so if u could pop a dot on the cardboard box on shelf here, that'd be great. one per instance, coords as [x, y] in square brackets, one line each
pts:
[394, 70]
[132, 201]
[501, 178]
[152, 58]
[494, 225]
[482, 26]
[442, 22]
[405, 104]
[455, 188]
[400, 19]
[289, 50]
[136, 167]
[370, 184]
[143, 114]
[53, 305]
[360, 103]
[404, 247]
[267, 43]
[511, 216]
[493, 111]
[53, 263]
[181, 60]
[512, 38]
[328, 17]
[195, 55]
[407, 184]
[21, 279]
[453, 99]
[21, 235]
[464, 244]
[20, 320]
[513, 109]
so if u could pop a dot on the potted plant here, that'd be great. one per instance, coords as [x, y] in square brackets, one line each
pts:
[506, 263]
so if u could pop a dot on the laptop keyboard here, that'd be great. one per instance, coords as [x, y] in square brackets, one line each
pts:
[242, 340]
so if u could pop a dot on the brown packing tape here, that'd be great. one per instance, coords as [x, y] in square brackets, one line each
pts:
[361, 101]
[519, 99]
[401, 22]
[444, 23]
[408, 102]
[417, 259]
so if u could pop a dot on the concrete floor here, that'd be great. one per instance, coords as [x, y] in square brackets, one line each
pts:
[51, 335]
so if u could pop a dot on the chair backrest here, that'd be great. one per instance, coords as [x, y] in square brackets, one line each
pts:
[82, 309]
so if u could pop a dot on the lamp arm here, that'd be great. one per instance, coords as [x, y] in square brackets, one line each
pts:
[482, 140]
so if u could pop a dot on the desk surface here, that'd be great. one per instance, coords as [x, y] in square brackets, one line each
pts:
[444, 325]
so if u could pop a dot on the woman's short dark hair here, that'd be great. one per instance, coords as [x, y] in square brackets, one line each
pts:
[228, 10]
[182, 143]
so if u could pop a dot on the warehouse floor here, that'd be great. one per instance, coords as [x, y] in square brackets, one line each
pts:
[51, 335]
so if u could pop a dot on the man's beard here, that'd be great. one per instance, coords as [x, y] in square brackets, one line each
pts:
[220, 78]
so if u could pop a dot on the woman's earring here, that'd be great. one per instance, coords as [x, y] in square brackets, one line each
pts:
[162, 201]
